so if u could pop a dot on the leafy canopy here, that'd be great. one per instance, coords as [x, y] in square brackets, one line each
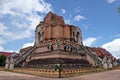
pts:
[2, 60]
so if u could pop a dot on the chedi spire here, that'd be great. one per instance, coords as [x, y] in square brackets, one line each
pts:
[52, 18]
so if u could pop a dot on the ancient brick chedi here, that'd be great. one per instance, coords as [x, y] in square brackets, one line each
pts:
[56, 41]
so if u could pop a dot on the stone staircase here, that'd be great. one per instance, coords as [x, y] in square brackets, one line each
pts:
[97, 60]
[23, 57]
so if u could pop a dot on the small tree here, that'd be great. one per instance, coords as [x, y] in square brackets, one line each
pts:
[59, 67]
[2, 60]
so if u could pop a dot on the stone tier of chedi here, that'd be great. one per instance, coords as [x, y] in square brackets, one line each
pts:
[54, 27]
[56, 41]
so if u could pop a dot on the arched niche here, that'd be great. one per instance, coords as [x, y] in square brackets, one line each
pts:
[77, 35]
[39, 34]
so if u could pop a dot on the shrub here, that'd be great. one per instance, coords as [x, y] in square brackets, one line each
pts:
[2, 60]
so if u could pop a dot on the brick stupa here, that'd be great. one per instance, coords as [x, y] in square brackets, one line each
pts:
[56, 41]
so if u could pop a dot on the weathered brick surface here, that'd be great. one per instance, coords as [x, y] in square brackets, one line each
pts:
[67, 32]
[53, 18]
[54, 28]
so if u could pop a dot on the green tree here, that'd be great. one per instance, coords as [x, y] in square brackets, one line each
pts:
[119, 9]
[2, 60]
[59, 67]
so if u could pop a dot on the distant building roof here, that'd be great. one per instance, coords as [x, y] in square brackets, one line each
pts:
[101, 51]
[7, 54]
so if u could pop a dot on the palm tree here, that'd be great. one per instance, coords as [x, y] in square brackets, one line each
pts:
[59, 67]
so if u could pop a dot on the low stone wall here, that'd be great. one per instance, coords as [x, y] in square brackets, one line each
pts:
[2, 68]
[74, 72]
[53, 73]
[39, 72]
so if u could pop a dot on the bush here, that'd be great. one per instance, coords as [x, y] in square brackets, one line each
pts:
[2, 60]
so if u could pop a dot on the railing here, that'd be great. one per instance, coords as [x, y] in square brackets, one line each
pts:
[24, 56]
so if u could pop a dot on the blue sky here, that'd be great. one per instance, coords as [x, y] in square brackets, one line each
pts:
[98, 20]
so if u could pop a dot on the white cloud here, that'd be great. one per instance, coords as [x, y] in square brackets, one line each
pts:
[110, 1]
[1, 48]
[2, 33]
[7, 35]
[24, 6]
[63, 11]
[67, 21]
[28, 44]
[23, 16]
[19, 25]
[2, 28]
[78, 17]
[89, 41]
[2, 41]
[78, 9]
[85, 26]
[113, 47]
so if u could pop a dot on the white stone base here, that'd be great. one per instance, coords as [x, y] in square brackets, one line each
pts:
[110, 65]
[6, 66]
[11, 66]
[105, 66]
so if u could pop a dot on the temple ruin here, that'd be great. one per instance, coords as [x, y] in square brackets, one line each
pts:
[56, 41]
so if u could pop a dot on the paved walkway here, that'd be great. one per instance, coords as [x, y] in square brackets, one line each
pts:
[109, 75]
